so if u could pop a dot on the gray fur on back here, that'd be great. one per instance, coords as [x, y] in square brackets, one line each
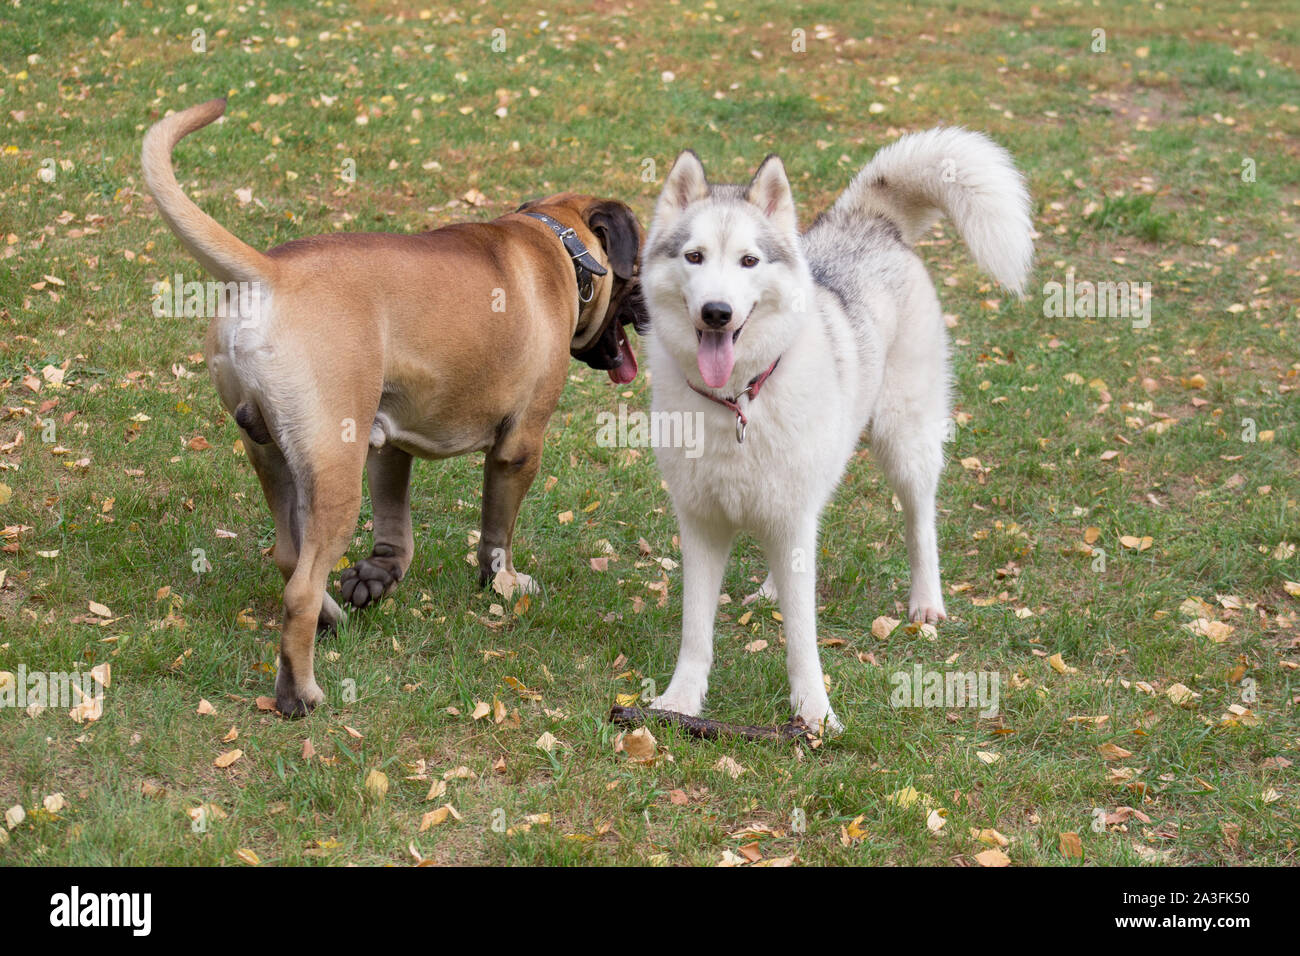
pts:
[848, 255]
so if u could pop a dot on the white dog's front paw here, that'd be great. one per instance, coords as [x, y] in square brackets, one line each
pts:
[827, 725]
[831, 726]
[926, 610]
[815, 711]
[685, 699]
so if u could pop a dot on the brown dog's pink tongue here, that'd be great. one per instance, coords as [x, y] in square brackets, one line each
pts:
[626, 370]
[715, 357]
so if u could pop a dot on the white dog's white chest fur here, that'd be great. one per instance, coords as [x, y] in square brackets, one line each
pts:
[799, 435]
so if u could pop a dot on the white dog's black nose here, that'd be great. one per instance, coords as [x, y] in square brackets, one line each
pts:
[715, 314]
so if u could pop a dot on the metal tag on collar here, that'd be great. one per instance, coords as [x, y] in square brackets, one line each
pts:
[741, 421]
[586, 288]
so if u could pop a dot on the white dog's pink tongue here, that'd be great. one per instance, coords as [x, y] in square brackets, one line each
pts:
[715, 357]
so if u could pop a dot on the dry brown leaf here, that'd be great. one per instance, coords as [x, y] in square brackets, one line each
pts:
[437, 817]
[1216, 631]
[883, 626]
[1058, 664]
[640, 744]
[729, 767]
[989, 837]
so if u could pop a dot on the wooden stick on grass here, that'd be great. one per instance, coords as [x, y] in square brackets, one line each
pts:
[796, 729]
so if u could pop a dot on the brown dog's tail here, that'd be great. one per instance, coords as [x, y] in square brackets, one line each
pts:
[219, 251]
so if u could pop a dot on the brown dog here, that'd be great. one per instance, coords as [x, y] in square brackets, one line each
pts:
[342, 352]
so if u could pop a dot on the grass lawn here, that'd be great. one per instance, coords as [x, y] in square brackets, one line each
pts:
[1119, 518]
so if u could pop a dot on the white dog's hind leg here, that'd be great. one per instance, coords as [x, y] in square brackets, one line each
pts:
[793, 566]
[704, 559]
[911, 455]
[766, 590]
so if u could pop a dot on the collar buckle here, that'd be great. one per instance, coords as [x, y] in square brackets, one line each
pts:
[585, 266]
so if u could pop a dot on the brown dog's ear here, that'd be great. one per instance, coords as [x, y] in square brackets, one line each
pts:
[618, 230]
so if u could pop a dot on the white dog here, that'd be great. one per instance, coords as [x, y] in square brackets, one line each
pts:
[792, 345]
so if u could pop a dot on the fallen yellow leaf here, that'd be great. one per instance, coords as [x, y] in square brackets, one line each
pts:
[377, 784]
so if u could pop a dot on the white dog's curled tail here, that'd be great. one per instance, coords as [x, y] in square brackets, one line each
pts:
[963, 175]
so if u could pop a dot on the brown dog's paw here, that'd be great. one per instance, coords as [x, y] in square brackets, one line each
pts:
[370, 579]
[294, 704]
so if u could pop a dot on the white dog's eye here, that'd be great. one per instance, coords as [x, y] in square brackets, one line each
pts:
[694, 257]
[749, 261]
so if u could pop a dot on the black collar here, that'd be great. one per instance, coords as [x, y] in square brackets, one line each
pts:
[584, 263]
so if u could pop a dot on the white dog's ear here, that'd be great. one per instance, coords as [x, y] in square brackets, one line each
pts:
[686, 183]
[769, 190]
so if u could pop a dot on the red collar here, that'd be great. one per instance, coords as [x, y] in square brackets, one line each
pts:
[751, 390]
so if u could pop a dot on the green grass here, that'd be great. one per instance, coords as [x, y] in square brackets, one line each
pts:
[1132, 215]
[1134, 159]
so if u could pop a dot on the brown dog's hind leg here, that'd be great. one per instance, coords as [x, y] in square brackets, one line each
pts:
[508, 472]
[282, 497]
[372, 578]
[330, 519]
